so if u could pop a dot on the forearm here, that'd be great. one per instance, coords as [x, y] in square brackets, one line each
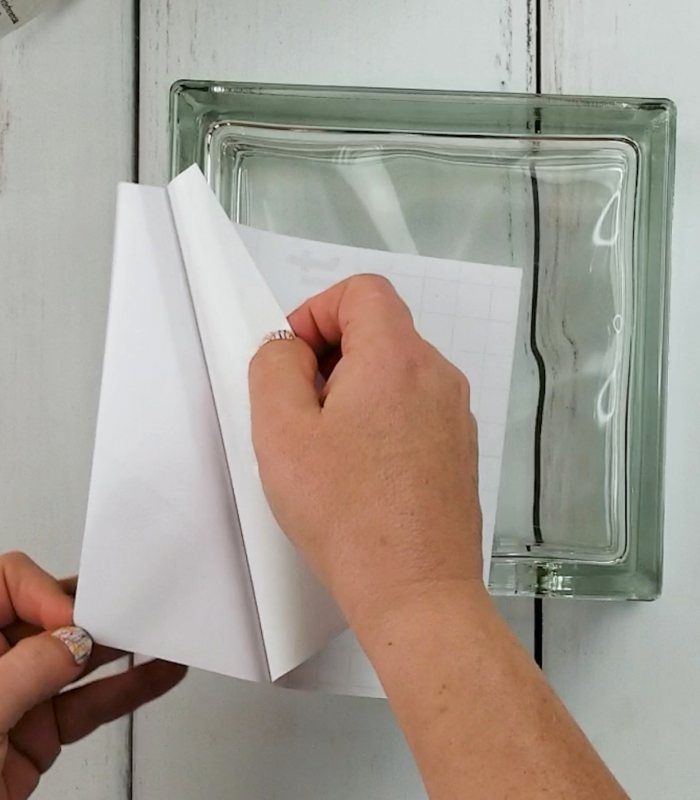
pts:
[475, 709]
[357, 477]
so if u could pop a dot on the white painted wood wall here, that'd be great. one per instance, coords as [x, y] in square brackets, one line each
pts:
[69, 130]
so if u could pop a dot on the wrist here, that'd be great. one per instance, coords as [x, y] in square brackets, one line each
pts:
[377, 616]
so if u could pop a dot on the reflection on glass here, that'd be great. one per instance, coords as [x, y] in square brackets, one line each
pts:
[582, 213]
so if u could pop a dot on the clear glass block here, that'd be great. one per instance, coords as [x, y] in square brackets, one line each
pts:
[574, 191]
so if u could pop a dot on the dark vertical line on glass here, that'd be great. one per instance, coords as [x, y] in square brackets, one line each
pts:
[537, 465]
[537, 355]
[135, 169]
[536, 251]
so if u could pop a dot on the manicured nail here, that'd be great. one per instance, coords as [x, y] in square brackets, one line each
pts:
[278, 336]
[77, 641]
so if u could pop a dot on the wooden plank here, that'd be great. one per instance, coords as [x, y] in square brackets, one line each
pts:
[629, 671]
[394, 43]
[66, 137]
[214, 737]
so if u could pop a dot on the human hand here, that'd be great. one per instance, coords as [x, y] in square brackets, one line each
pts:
[374, 477]
[41, 652]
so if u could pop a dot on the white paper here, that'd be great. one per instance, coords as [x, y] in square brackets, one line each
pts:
[235, 309]
[14, 13]
[164, 570]
[469, 312]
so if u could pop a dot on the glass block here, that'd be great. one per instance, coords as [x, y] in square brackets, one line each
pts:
[576, 192]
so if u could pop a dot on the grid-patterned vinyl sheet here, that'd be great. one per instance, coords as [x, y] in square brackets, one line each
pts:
[469, 312]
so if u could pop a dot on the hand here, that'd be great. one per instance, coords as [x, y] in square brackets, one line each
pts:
[374, 476]
[41, 652]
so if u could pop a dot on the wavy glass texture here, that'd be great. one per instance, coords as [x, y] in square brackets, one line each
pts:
[577, 197]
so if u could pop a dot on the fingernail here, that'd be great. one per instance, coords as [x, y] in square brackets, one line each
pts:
[278, 336]
[77, 641]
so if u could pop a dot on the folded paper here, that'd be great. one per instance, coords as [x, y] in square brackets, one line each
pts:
[182, 558]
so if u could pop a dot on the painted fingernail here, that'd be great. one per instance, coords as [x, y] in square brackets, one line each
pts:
[278, 336]
[77, 641]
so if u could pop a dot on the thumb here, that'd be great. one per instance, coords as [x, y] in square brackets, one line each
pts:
[37, 668]
[282, 383]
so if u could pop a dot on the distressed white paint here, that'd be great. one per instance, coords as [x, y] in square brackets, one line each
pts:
[66, 122]
[456, 44]
[223, 739]
[631, 673]
[214, 737]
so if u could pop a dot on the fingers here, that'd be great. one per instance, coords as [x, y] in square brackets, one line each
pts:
[356, 312]
[36, 737]
[282, 388]
[30, 594]
[69, 585]
[100, 655]
[19, 774]
[80, 711]
[359, 312]
[38, 668]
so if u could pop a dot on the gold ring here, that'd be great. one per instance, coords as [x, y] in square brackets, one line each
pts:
[278, 336]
